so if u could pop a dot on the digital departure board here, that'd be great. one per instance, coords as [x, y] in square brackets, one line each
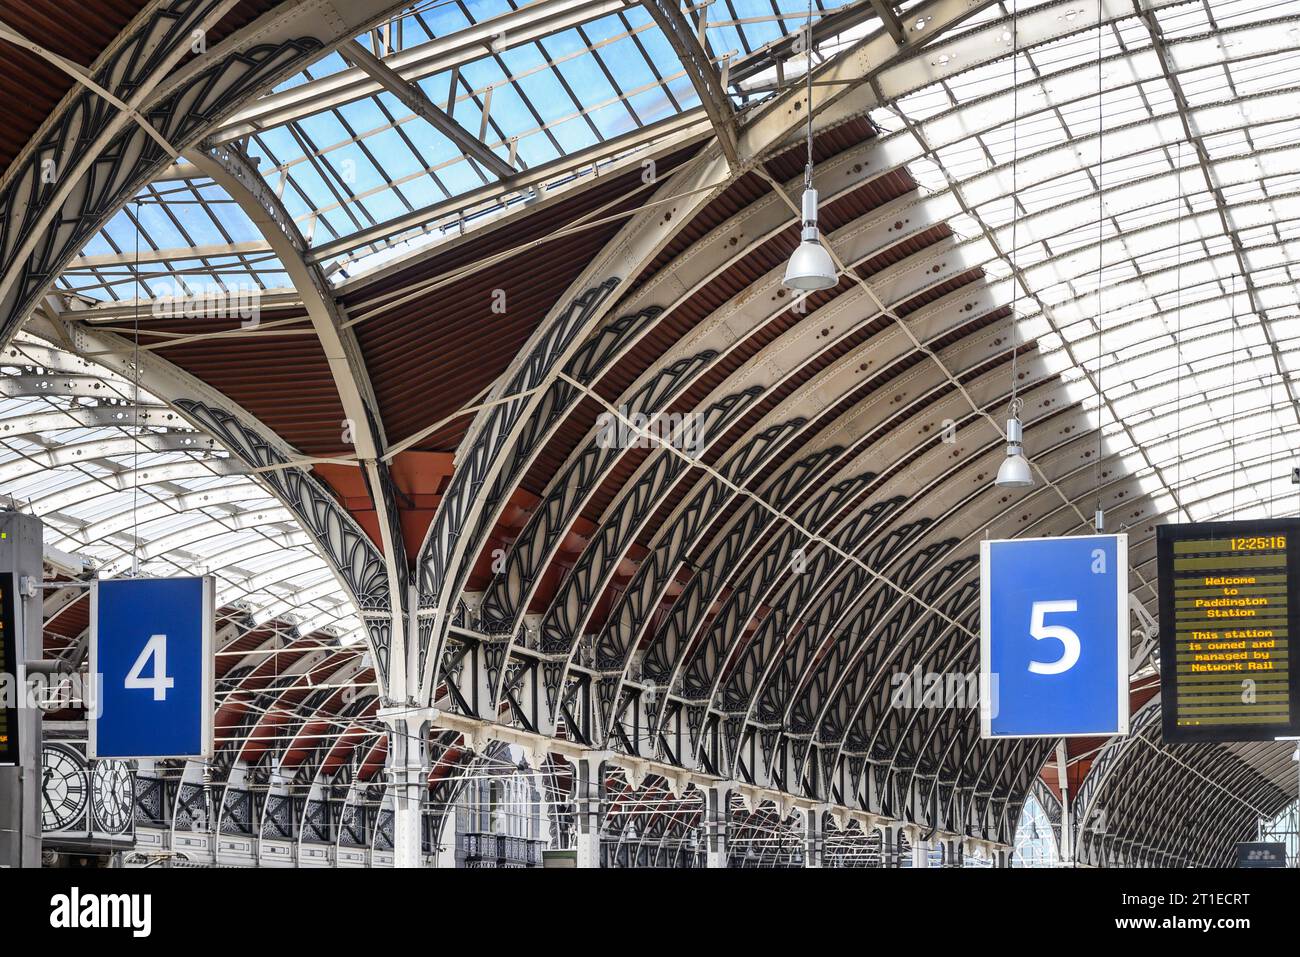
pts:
[1225, 625]
[8, 673]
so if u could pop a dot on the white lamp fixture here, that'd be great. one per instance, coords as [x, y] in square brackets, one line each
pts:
[811, 267]
[1014, 471]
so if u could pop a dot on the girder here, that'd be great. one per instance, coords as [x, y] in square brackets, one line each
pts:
[783, 357]
[934, 415]
[691, 358]
[415, 100]
[967, 649]
[1216, 795]
[125, 77]
[231, 169]
[812, 395]
[978, 526]
[337, 537]
[783, 561]
[708, 81]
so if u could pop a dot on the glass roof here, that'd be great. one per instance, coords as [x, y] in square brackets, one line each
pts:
[119, 479]
[1150, 229]
[192, 239]
[349, 156]
[560, 90]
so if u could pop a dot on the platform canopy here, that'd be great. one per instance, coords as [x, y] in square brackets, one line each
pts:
[345, 306]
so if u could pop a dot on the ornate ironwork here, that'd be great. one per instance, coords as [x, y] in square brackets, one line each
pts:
[478, 463]
[572, 604]
[121, 166]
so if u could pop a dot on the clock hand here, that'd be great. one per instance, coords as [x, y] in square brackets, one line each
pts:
[45, 787]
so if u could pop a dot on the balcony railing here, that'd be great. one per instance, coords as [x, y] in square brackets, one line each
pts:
[500, 850]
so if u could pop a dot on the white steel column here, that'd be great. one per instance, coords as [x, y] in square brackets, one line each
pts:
[408, 746]
[814, 835]
[20, 784]
[920, 849]
[588, 800]
[718, 815]
[1063, 782]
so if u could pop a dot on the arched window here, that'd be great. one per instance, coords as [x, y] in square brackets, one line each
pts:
[1035, 839]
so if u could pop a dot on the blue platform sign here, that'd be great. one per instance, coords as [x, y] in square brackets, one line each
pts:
[151, 648]
[1054, 637]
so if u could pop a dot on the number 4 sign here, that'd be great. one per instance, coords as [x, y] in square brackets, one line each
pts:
[156, 649]
[151, 653]
[1054, 637]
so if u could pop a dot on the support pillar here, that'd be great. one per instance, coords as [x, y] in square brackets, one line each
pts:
[889, 845]
[21, 553]
[717, 819]
[814, 842]
[409, 767]
[1063, 782]
[920, 850]
[588, 805]
[952, 852]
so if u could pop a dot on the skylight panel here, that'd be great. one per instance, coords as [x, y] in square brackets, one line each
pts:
[546, 95]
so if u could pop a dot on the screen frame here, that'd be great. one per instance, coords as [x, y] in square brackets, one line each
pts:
[1166, 536]
[207, 692]
[1123, 651]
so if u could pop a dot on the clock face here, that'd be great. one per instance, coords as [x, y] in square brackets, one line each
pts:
[63, 788]
[111, 795]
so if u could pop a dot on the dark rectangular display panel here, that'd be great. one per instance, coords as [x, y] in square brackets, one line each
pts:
[1225, 624]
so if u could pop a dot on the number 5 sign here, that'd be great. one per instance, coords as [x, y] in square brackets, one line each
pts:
[151, 651]
[1054, 637]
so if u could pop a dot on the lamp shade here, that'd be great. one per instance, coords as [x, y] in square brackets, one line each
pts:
[1014, 472]
[811, 267]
